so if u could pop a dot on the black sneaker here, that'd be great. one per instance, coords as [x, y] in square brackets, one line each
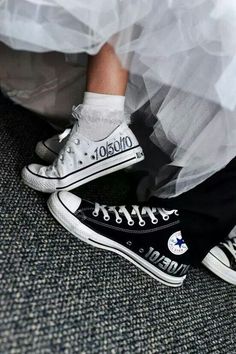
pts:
[221, 260]
[149, 237]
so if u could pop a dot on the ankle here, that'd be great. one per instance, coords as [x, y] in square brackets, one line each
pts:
[97, 122]
[112, 102]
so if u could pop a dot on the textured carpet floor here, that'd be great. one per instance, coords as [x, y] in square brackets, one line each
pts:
[59, 295]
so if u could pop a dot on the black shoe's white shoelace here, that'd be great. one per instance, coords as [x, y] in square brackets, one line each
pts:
[137, 210]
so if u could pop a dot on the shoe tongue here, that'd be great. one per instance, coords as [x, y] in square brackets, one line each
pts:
[86, 205]
[129, 208]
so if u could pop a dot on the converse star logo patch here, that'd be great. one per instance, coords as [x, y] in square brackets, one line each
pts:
[176, 244]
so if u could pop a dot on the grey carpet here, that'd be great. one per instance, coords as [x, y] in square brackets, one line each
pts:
[59, 295]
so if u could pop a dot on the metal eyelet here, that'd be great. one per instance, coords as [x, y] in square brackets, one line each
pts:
[95, 214]
[119, 220]
[106, 218]
[154, 221]
[129, 243]
[131, 222]
[142, 223]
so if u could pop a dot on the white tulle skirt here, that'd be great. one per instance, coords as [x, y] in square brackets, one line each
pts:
[181, 55]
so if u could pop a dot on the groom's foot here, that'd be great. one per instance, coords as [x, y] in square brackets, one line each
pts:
[48, 150]
[82, 160]
[149, 237]
[221, 260]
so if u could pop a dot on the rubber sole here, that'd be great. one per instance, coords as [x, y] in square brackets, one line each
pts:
[218, 268]
[82, 232]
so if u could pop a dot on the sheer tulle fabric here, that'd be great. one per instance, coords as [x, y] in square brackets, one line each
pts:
[186, 48]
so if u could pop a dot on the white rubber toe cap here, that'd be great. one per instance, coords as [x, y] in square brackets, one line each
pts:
[28, 173]
[34, 176]
[35, 168]
[69, 200]
[220, 255]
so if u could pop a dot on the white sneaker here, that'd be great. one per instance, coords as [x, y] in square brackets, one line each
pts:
[48, 150]
[221, 260]
[83, 160]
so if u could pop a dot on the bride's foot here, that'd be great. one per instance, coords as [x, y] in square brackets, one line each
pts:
[82, 159]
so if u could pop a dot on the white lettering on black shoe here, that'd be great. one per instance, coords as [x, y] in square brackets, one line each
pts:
[82, 160]
[221, 260]
[138, 233]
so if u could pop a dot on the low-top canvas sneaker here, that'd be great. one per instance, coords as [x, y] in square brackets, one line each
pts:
[83, 160]
[149, 237]
[221, 260]
[48, 150]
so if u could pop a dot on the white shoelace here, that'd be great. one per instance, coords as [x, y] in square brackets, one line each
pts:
[64, 135]
[231, 246]
[76, 111]
[136, 211]
[66, 148]
[67, 131]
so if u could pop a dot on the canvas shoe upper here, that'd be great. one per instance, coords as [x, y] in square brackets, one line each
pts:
[82, 160]
[149, 237]
[221, 260]
[48, 150]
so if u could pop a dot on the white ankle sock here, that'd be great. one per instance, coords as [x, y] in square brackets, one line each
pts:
[100, 115]
[113, 102]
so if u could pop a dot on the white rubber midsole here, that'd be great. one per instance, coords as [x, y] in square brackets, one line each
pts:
[219, 269]
[78, 229]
